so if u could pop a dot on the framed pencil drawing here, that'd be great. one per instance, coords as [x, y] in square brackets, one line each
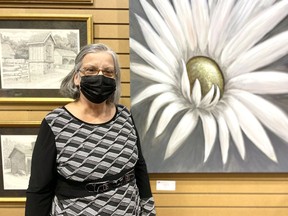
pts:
[37, 51]
[16, 146]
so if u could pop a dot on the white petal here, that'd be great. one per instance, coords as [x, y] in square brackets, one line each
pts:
[184, 13]
[149, 92]
[183, 129]
[216, 98]
[185, 84]
[218, 23]
[156, 44]
[242, 12]
[211, 5]
[267, 82]
[151, 74]
[161, 27]
[252, 128]
[160, 101]
[261, 55]
[208, 101]
[234, 127]
[149, 57]
[200, 12]
[205, 102]
[261, 5]
[210, 130]
[196, 93]
[171, 19]
[166, 116]
[253, 31]
[223, 137]
[271, 116]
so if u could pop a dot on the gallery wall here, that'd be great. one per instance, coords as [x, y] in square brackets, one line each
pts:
[200, 194]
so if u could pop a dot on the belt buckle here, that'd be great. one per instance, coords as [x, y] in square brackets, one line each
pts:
[91, 187]
[103, 187]
[97, 187]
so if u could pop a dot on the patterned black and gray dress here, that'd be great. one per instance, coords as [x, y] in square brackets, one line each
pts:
[75, 151]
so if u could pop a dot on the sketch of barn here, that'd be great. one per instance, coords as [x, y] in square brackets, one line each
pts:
[64, 57]
[20, 159]
[41, 53]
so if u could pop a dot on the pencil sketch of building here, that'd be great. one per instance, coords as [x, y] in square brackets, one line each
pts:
[41, 53]
[16, 158]
[20, 159]
[36, 59]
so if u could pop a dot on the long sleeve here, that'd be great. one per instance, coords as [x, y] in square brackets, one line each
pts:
[40, 191]
[142, 180]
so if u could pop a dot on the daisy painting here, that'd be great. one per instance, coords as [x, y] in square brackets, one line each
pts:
[209, 84]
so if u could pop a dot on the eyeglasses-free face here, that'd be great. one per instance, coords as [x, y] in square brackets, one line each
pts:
[94, 63]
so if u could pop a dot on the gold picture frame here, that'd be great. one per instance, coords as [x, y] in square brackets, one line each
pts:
[15, 137]
[76, 29]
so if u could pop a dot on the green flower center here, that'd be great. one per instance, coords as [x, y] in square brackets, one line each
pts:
[207, 72]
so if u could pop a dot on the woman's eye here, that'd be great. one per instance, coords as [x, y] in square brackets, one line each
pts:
[108, 71]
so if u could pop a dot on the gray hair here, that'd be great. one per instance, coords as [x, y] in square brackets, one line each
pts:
[68, 87]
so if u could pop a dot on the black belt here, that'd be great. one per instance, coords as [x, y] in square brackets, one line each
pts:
[73, 189]
[101, 187]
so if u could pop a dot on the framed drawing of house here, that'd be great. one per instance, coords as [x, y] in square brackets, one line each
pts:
[37, 51]
[16, 147]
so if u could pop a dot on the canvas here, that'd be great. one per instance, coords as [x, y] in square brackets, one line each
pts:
[209, 84]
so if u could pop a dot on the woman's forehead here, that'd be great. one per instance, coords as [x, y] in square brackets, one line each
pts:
[101, 58]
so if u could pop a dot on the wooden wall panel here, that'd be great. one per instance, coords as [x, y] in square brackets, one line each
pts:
[99, 16]
[20, 116]
[196, 194]
[47, 2]
[125, 75]
[124, 60]
[114, 31]
[119, 46]
[219, 200]
[12, 211]
[113, 4]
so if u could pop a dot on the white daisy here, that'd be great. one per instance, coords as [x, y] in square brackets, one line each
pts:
[203, 61]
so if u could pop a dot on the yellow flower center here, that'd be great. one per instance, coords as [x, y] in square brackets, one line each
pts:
[207, 72]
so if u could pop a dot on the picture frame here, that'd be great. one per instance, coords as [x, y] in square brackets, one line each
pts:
[16, 147]
[182, 127]
[45, 46]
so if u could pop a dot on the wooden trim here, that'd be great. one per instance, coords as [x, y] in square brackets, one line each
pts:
[221, 200]
[89, 2]
[220, 211]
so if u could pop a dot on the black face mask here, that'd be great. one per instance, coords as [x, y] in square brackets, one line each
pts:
[97, 88]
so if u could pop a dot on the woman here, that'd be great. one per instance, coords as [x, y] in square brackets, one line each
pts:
[87, 158]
